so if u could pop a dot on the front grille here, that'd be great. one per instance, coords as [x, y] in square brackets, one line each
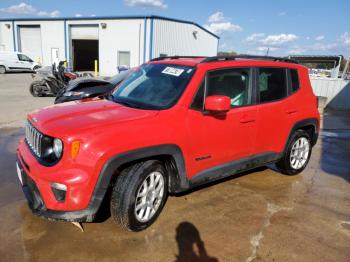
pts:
[33, 138]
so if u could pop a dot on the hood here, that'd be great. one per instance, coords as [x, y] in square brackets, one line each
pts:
[73, 117]
[85, 82]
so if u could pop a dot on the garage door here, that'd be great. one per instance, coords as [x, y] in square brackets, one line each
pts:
[30, 42]
[84, 32]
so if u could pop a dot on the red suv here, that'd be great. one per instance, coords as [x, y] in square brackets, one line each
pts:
[173, 124]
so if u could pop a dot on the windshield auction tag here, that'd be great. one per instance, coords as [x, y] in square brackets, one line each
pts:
[172, 71]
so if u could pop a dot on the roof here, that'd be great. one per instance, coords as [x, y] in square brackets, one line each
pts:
[185, 61]
[108, 18]
[194, 60]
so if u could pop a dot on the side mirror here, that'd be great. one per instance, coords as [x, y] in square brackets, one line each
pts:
[217, 104]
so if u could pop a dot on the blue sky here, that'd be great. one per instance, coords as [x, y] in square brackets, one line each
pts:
[285, 27]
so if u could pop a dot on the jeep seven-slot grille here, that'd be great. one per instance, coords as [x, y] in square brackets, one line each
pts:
[33, 138]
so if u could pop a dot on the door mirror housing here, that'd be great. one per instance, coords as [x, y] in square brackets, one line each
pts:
[217, 104]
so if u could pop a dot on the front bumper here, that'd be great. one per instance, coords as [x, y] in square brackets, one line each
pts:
[84, 193]
[37, 205]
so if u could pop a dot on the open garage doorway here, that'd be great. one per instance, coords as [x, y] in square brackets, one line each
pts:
[84, 43]
[85, 52]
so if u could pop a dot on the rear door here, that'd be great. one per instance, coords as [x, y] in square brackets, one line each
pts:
[215, 140]
[275, 109]
[11, 61]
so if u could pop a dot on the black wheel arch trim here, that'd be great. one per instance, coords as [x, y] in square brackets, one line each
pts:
[304, 123]
[177, 182]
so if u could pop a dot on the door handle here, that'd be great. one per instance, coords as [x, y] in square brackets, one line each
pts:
[291, 111]
[245, 120]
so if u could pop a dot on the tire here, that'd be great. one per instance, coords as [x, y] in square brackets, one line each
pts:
[128, 207]
[2, 70]
[32, 89]
[293, 165]
[36, 68]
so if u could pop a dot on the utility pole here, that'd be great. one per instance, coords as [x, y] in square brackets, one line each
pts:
[267, 51]
[346, 68]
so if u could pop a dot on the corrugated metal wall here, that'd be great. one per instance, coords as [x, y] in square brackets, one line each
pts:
[174, 38]
[337, 92]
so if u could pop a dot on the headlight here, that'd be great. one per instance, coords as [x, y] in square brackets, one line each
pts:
[57, 147]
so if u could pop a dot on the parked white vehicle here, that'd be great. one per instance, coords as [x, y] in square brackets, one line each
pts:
[16, 61]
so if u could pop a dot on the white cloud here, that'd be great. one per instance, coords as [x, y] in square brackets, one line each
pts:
[26, 9]
[78, 15]
[345, 39]
[282, 13]
[296, 51]
[265, 48]
[254, 38]
[147, 3]
[216, 17]
[218, 24]
[319, 38]
[323, 47]
[271, 40]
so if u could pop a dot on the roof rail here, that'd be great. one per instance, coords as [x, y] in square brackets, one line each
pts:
[228, 58]
[175, 57]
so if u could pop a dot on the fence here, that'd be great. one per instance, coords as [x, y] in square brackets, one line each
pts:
[336, 90]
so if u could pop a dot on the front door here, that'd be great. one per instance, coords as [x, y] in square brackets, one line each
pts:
[215, 140]
[25, 62]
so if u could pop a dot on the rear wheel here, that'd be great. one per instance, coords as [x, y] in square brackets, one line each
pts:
[36, 88]
[297, 155]
[2, 70]
[139, 195]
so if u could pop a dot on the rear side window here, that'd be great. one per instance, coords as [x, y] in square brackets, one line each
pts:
[272, 84]
[295, 80]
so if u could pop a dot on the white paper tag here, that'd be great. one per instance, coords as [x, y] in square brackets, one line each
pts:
[172, 71]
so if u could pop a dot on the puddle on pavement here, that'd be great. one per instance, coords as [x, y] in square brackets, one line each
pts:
[222, 218]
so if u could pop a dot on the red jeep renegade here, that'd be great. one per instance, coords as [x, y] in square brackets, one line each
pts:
[173, 124]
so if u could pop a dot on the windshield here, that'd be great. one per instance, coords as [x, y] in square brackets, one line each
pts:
[153, 86]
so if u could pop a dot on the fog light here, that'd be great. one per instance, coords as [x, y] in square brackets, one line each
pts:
[59, 191]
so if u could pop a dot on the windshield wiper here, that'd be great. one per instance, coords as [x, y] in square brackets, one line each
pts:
[126, 103]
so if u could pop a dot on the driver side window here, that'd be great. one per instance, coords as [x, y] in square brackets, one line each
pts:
[23, 58]
[233, 82]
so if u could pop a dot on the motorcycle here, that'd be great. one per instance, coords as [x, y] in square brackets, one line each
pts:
[48, 81]
[87, 87]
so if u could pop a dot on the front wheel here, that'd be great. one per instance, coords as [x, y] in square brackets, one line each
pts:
[36, 88]
[36, 67]
[297, 154]
[139, 195]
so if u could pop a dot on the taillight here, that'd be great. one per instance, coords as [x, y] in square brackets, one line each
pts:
[317, 102]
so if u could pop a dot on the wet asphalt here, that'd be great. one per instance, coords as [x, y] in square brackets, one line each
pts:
[256, 216]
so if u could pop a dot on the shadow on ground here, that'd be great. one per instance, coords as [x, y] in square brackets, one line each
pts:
[191, 246]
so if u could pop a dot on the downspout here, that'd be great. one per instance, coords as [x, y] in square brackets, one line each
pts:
[151, 41]
[13, 36]
[65, 39]
[144, 39]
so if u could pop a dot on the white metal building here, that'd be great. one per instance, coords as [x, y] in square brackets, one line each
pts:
[113, 41]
